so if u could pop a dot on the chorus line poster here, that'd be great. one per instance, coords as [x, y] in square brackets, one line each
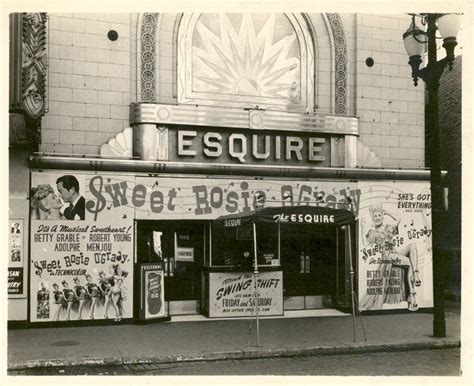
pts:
[395, 246]
[81, 262]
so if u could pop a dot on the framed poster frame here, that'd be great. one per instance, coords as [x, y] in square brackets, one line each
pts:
[16, 259]
[152, 293]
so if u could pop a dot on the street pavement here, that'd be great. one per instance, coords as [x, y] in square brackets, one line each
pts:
[169, 342]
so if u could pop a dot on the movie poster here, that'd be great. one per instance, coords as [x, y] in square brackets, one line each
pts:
[395, 246]
[233, 294]
[16, 258]
[81, 249]
[153, 294]
[15, 281]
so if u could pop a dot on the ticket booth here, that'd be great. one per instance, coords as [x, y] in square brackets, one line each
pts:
[291, 253]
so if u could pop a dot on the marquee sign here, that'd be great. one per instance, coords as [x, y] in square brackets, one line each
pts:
[234, 147]
[246, 136]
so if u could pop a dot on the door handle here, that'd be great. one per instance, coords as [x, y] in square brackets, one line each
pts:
[305, 265]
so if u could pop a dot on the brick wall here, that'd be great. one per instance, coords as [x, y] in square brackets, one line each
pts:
[89, 88]
[390, 108]
[450, 114]
[450, 125]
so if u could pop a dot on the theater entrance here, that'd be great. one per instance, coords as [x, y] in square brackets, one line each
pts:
[313, 249]
[309, 264]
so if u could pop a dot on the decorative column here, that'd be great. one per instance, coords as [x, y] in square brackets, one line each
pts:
[144, 142]
[28, 76]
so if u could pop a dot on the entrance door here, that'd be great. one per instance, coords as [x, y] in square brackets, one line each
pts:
[308, 259]
[179, 247]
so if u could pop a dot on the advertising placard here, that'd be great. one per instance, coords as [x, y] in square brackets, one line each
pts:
[232, 294]
[395, 246]
[15, 281]
[81, 249]
[185, 254]
[153, 293]
[16, 258]
[16, 243]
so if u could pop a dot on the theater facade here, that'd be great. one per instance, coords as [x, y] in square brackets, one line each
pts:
[183, 163]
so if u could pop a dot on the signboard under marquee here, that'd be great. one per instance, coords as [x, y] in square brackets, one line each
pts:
[232, 294]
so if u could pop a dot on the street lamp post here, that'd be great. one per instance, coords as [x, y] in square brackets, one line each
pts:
[415, 40]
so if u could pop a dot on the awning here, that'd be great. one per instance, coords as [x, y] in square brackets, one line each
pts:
[288, 215]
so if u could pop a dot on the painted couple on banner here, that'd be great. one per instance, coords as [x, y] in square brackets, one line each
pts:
[66, 203]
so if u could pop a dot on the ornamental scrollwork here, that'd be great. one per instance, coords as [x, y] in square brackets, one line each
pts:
[149, 23]
[34, 66]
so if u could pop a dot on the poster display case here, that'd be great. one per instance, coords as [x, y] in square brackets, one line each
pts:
[152, 294]
[16, 259]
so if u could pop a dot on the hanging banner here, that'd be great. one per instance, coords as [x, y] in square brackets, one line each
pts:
[194, 198]
[233, 294]
[81, 258]
[16, 259]
[395, 252]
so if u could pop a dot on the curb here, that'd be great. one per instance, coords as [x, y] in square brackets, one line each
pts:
[42, 363]
[239, 354]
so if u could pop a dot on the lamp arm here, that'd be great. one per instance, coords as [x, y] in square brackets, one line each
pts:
[437, 70]
[432, 72]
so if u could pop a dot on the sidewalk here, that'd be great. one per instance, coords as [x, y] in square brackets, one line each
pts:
[223, 339]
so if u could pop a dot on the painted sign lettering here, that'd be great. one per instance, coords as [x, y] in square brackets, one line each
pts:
[188, 198]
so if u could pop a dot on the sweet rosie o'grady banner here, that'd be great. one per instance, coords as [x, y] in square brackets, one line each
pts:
[81, 263]
[194, 198]
[395, 252]
[233, 294]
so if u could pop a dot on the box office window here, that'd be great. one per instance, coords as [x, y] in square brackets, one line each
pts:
[235, 247]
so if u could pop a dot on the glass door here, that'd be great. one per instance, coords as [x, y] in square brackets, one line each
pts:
[179, 247]
[308, 259]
